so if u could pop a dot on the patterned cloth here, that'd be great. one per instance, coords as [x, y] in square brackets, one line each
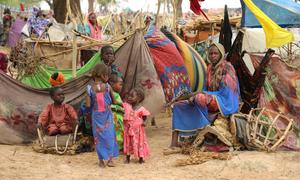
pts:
[37, 25]
[118, 120]
[168, 63]
[102, 124]
[135, 142]
[222, 95]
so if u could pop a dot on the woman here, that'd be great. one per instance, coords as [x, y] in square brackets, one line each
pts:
[94, 30]
[37, 24]
[221, 96]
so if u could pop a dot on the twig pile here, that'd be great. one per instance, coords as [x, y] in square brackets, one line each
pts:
[24, 60]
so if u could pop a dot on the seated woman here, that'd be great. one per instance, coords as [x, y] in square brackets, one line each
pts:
[57, 118]
[221, 96]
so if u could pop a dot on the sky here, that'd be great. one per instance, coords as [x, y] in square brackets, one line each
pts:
[150, 5]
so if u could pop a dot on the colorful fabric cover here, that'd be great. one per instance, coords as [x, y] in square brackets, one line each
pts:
[281, 93]
[275, 35]
[195, 65]
[168, 63]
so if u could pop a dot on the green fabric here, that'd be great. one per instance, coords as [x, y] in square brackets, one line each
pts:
[118, 119]
[41, 77]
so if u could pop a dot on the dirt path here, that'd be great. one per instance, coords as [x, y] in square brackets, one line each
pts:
[21, 162]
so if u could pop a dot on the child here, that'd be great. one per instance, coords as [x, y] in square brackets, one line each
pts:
[99, 100]
[116, 83]
[135, 142]
[57, 117]
[108, 58]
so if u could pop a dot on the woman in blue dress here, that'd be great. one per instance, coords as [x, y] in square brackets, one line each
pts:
[99, 100]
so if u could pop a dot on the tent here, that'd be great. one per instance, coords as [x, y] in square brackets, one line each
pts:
[284, 13]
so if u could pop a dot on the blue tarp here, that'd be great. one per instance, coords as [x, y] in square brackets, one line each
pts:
[282, 12]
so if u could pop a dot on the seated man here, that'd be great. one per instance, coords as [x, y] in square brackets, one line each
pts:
[57, 117]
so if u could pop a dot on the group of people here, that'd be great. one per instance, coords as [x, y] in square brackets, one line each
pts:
[117, 123]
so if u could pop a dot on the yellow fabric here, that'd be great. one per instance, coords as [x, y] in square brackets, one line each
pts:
[275, 35]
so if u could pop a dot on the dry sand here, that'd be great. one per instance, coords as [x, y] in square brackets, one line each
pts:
[21, 162]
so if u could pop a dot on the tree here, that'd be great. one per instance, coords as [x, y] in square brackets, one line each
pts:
[179, 8]
[104, 3]
[91, 5]
[60, 9]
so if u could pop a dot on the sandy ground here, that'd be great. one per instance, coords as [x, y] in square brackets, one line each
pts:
[21, 162]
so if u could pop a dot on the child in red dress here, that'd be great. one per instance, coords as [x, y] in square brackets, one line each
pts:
[57, 117]
[135, 142]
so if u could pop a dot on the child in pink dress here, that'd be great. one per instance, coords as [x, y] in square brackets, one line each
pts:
[135, 142]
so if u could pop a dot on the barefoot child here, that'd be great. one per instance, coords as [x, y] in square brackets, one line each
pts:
[57, 117]
[135, 142]
[99, 100]
[116, 83]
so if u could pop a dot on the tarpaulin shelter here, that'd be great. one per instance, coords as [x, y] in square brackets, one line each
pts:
[284, 13]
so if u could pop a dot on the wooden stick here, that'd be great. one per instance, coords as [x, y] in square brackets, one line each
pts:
[284, 135]
[89, 45]
[270, 128]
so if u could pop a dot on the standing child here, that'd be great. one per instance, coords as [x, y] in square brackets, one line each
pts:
[135, 142]
[116, 83]
[99, 100]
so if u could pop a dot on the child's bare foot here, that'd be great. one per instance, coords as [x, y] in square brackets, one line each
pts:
[110, 163]
[102, 164]
[127, 161]
[141, 160]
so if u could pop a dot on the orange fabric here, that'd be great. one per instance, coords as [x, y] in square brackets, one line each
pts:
[59, 80]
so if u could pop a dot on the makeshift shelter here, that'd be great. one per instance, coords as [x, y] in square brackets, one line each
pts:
[278, 77]
[284, 13]
[20, 106]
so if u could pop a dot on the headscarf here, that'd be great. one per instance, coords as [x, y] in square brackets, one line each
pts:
[215, 70]
[57, 79]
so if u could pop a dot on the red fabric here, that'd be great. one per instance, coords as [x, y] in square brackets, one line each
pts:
[58, 116]
[135, 142]
[100, 102]
[22, 7]
[196, 8]
[3, 62]
[63, 129]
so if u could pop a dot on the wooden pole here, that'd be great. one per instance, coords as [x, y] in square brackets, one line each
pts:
[157, 13]
[174, 3]
[74, 44]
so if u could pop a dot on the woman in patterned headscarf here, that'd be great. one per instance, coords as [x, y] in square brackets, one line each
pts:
[37, 24]
[221, 96]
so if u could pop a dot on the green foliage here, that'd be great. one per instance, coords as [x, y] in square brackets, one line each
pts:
[17, 2]
[106, 2]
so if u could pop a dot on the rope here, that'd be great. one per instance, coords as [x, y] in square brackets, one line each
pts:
[40, 138]
[66, 147]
